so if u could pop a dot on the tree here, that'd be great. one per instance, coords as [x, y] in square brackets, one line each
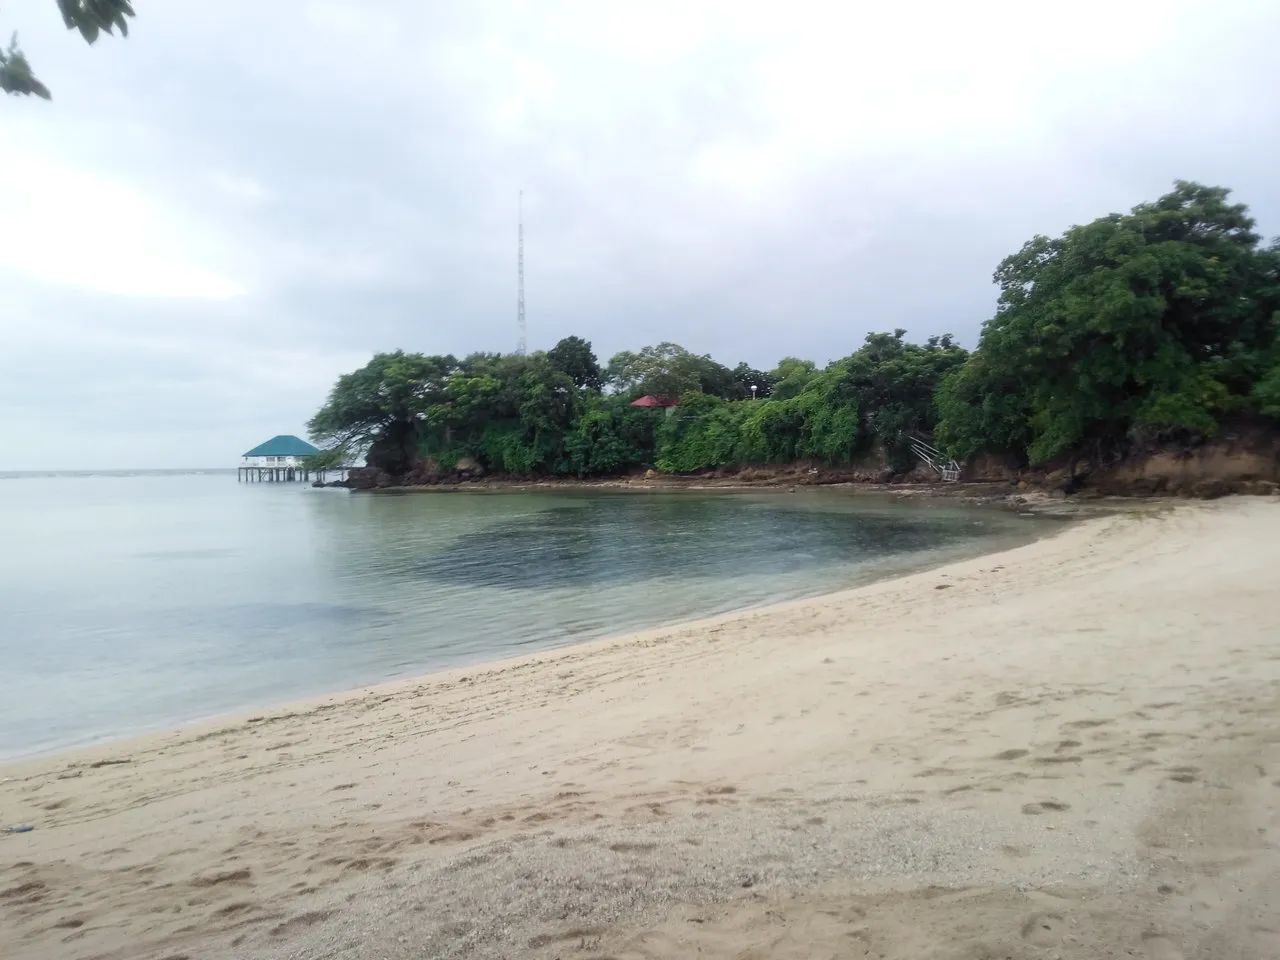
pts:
[748, 377]
[790, 376]
[511, 412]
[829, 417]
[894, 384]
[666, 369]
[1266, 393]
[91, 17]
[383, 406]
[793, 366]
[573, 357]
[979, 409]
[1131, 327]
[705, 432]
[611, 436]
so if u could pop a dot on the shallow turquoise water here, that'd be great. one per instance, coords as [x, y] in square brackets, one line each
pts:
[130, 603]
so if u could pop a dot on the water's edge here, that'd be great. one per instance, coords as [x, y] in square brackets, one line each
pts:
[578, 643]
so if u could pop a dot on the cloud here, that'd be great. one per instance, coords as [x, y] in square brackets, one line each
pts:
[217, 216]
[72, 227]
[242, 189]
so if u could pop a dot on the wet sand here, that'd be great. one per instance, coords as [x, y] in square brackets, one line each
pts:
[1070, 749]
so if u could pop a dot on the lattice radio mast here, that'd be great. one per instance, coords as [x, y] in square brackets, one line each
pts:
[520, 346]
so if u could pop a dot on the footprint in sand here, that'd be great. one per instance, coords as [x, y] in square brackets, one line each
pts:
[632, 847]
[1011, 754]
[585, 935]
[1043, 929]
[228, 876]
[1044, 806]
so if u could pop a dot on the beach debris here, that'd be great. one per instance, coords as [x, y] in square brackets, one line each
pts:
[110, 763]
[21, 828]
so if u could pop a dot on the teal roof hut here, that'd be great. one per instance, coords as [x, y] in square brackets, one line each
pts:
[279, 459]
[286, 445]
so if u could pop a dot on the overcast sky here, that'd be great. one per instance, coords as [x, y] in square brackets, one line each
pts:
[217, 216]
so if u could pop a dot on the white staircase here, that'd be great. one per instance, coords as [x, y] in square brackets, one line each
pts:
[946, 468]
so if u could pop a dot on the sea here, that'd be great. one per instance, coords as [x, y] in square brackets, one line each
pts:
[137, 601]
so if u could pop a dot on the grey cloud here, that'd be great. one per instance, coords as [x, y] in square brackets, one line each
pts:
[355, 168]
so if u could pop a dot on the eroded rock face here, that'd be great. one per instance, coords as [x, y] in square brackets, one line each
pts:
[1244, 459]
[991, 468]
[368, 478]
[423, 471]
[470, 467]
[1231, 464]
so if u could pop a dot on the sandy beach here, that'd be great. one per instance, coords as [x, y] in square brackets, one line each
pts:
[1070, 749]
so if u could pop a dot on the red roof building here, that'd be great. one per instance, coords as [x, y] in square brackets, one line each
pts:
[649, 400]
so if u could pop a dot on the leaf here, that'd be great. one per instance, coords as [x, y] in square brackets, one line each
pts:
[16, 77]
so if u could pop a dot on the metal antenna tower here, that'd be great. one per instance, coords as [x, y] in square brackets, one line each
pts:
[521, 345]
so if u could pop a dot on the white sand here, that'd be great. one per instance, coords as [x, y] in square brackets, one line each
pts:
[1073, 750]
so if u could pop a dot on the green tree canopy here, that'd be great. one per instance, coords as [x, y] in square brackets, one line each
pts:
[573, 357]
[1130, 326]
[383, 406]
[610, 436]
[668, 369]
[790, 376]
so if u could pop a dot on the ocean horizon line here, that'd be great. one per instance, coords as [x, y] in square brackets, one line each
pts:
[112, 472]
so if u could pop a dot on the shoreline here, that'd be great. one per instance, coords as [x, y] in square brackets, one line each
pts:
[979, 492]
[1029, 750]
[199, 726]
[1046, 508]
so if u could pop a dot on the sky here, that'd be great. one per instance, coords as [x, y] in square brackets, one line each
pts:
[217, 216]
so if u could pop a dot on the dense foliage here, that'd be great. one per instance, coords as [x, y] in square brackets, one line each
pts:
[1152, 324]
[557, 413]
[1133, 327]
[91, 17]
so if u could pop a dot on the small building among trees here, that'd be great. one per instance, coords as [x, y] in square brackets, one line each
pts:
[658, 401]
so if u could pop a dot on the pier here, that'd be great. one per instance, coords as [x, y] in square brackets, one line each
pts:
[253, 473]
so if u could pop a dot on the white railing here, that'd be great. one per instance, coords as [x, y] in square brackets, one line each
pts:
[946, 467]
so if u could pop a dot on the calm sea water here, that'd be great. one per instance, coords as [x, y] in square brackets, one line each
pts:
[133, 602]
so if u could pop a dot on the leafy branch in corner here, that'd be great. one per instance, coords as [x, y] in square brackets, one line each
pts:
[91, 17]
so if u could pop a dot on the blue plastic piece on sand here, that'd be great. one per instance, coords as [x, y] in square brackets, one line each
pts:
[23, 829]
